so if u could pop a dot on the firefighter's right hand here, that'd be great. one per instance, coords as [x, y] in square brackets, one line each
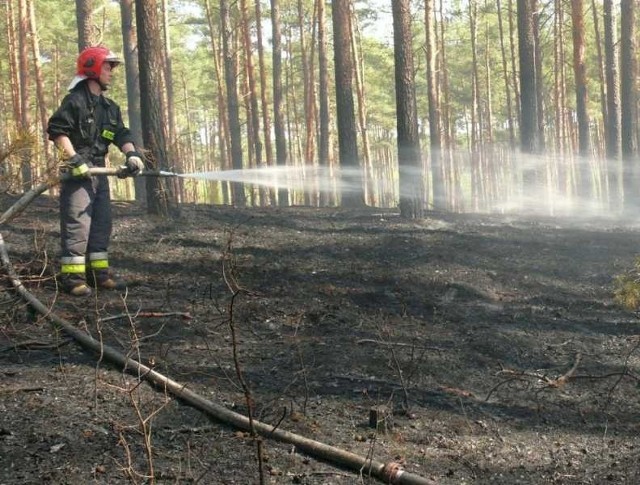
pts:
[79, 167]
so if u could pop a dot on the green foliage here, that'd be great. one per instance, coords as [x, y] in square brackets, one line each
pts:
[379, 79]
[627, 288]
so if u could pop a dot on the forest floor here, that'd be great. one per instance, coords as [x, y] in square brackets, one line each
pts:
[491, 345]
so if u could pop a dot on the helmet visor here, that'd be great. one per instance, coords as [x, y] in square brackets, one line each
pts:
[112, 59]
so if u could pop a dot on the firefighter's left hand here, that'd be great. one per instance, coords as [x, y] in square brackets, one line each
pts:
[78, 167]
[134, 164]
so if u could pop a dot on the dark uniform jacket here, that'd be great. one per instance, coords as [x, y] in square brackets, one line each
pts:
[91, 122]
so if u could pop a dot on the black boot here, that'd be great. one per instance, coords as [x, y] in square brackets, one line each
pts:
[105, 280]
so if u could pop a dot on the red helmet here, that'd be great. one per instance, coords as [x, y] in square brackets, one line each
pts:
[90, 61]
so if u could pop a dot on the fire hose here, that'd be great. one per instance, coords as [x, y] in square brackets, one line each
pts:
[30, 195]
[390, 472]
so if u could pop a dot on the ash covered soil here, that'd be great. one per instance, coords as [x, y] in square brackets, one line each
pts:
[491, 345]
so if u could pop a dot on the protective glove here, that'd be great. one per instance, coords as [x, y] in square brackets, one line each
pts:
[79, 167]
[133, 165]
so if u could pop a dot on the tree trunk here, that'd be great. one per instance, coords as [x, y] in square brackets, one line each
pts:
[307, 84]
[254, 111]
[324, 142]
[611, 75]
[168, 74]
[559, 179]
[161, 198]
[278, 108]
[612, 122]
[450, 169]
[529, 141]
[437, 175]
[409, 154]
[361, 105]
[351, 175]
[25, 114]
[477, 178]
[130, 48]
[628, 100]
[580, 76]
[266, 120]
[223, 138]
[84, 9]
[513, 57]
[233, 106]
[601, 76]
[14, 68]
[505, 77]
[37, 67]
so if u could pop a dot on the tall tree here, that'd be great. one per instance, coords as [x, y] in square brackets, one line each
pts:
[477, 179]
[278, 98]
[223, 138]
[25, 81]
[168, 74]
[266, 117]
[233, 106]
[161, 198]
[361, 106]
[628, 99]
[351, 175]
[307, 82]
[512, 49]
[505, 75]
[530, 142]
[324, 141]
[580, 77]
[254, 112]
[435, 141]
[612, 123]
[84, 10]
[537, 48]
[130, 48]
[529, 136]
[409, 154]
[14, 68]
[598, 41]
[450, 162]
[37, 67]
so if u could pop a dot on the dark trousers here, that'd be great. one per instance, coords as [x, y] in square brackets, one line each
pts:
[85, 216]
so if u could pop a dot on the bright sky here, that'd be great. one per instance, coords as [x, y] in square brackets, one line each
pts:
[382, 28]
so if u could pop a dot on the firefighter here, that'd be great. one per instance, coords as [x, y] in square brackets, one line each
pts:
[82, 128]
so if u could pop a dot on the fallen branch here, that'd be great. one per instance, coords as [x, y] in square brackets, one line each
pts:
[15, 390]
[25, 200]
[562, 380]
[387, 472]
[36, 345]
[554, 383]
[397, 344]
[184, 315]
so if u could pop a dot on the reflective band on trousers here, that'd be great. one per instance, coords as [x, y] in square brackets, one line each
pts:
[99, 264]
[73, 268]
[72, 260]
[99, 260]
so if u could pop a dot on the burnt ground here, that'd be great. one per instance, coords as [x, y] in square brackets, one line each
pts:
[494, 342]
